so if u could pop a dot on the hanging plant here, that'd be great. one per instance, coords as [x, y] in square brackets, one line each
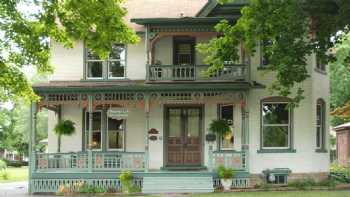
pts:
[219, 127]
[63, 127]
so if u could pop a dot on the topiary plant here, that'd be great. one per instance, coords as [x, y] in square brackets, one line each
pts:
[63, 127]
[225, 173]
[126, 180]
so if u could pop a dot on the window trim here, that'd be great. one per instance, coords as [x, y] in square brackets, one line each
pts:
[123, 134]
[220, 148]
[290, 147]
[87, 142]
[105, 66]
[322, 147]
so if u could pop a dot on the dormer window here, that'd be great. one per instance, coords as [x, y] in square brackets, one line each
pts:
[112, 68]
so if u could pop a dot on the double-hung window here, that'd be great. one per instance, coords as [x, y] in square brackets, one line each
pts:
[226, 113]
[96, 136]
[116, 132]
[112, 68]
[264, 53]
[320, 124]
[276, 125]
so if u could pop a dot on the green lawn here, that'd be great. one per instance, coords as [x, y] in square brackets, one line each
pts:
[15, 174]
[280, 194]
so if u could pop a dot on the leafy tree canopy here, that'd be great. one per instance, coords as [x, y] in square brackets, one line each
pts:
[293, 28]
[25, 38]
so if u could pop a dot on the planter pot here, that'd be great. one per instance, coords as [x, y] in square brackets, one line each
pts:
[226, 184]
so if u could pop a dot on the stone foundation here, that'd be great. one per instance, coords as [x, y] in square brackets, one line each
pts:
[258, 179]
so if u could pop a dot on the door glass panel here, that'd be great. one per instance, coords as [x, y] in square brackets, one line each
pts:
[193, 122]
[174, 122]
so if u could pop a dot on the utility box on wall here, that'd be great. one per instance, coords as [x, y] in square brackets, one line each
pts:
[343, 144]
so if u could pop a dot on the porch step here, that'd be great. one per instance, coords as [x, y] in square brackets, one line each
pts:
[177, 183]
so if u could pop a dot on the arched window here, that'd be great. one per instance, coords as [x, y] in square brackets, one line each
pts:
[276, 124]
[320, 124]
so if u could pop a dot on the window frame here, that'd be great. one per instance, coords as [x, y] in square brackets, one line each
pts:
[320, 102]
[123, 134]
[87, 134]
[233, 119]
[105, 66]
[289, 148]
[262, 55]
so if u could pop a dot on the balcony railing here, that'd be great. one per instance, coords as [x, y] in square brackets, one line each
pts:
[232, 72]
[90, 161]
[230, 159]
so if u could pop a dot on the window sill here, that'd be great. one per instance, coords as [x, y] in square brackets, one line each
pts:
[103, 80]
[323, 72]
[276, 151]
[321, 150]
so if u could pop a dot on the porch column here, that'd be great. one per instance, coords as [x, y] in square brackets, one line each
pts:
[89, 148]
[59, 118]
[32, 138]
[146, 134]
[245, 129]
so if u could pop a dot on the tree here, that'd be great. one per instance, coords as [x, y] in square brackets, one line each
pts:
[340, 81]
[25, 38]
[293, 28]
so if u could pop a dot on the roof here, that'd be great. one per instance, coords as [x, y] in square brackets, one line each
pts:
[342, 127]
[137, 85]
[182, 21]
[161, 9]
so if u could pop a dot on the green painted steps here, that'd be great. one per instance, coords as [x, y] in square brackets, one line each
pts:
[177, 184]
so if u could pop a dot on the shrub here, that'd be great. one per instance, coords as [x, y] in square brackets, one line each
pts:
[340, 173]
[225, 173]
[303, 184]
[126, 180]
[3, 165]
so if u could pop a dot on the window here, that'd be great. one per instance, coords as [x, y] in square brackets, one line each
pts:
[264, 54]
[320, 124]
[184, 50]
[116, 130]
[96, 130]
[276, 124]
[226, 113]
[277, 179]
[114, 66]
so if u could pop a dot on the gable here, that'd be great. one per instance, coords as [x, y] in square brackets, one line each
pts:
[214, 9]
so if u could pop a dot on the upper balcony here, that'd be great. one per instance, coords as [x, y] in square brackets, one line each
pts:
[172, 73]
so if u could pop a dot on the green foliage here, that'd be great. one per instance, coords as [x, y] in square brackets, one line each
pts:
[64, 127]
[294, 29]
[340, 173]
[4, 175]
[126, 180]
[303, 184]
[219, 127]
[225, 173]
[3, 165]
[26, 37]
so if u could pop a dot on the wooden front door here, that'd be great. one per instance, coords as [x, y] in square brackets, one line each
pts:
[183, 136]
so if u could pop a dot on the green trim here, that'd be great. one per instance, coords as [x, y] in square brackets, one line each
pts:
[181, 21]
[146, 87]
[321, 150]
[282, 171]
[208, 7]
[276, 151]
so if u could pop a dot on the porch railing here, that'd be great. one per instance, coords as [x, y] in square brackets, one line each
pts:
[90, 161]
[230, 72]
[230, 159]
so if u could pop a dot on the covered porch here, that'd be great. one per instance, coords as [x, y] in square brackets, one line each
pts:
[146, 140]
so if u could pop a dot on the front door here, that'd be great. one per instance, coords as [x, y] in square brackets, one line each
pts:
[183, 136]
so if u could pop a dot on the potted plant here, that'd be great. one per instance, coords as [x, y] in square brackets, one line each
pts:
[226, 175]
[220, 128]
[63, 127]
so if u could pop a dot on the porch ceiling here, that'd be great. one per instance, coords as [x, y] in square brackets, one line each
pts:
[139, 86]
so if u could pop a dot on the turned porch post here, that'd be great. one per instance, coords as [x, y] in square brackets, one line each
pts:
[89, 148]
[32, 138]
[59, 118]
[245, 129]
[146, 134]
